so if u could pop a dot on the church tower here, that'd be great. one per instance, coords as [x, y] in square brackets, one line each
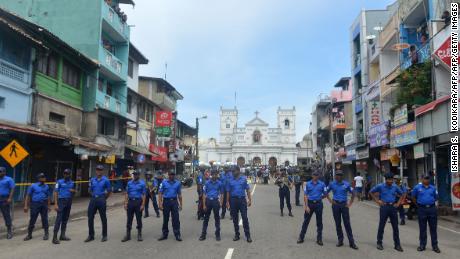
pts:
[286, 122]
[228, 124]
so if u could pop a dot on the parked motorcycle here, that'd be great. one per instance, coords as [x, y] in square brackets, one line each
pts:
[409, 206]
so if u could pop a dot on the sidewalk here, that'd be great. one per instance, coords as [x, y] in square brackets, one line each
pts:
[79, 209]
[451, 219]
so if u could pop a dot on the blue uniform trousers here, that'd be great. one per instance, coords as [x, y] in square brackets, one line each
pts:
[297, 193]
[342, 212]
[62, 215]
[239, 205]
[5, 208]
[97, 204]
[35, 209]
[428, 215]
[151, 196]
[171, 207]
[316, 208]
[388, 211]
[134, 208]
[214, 207]
[285, 194]
[224, 208]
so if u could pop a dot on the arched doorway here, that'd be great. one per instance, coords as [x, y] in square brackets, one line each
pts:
[272, 162]
[286, 163]
[240, 161]
[257, 161]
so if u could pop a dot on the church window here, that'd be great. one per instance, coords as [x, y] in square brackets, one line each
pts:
[227, 125]
[257, 136]
[286, 124]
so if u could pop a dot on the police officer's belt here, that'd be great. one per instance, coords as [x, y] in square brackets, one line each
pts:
[135, 199]
[238, 197]
[336, 201]
[211, 199]
[314, 201]
[170, 199]
[98, 196]
[426, 206]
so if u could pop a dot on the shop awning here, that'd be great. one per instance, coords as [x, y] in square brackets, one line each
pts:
[141, 150]
[10, 126]
[90, 145]
[430, 106]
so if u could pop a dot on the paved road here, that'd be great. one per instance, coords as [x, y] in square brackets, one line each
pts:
[274, 237]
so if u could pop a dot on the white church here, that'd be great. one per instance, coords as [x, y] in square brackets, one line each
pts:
[254, 144]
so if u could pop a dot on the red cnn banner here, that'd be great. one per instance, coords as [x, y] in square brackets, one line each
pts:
[161, 151]
[163, 119]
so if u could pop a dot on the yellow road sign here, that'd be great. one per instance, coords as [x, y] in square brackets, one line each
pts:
[14, 153]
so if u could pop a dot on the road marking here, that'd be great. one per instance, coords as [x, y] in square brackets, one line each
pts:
[79, 218]
[448, 229]
[229, 253]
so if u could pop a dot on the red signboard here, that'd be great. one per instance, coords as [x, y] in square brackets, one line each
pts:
[443, 52]
[161, 151]
[163, 119]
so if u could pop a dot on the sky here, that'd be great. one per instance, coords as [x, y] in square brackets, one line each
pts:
[271, 53]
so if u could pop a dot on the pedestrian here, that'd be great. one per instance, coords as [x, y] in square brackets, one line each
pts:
[315, 192]
[298, 187]
[284, 192]
[368, 187]
[63, 193]
[170, 202]
[6, 197]
[39, 197]
[402, 213]
[100, 191]
[224, 178]
[237, 188]
[212, 201]
[359, 185]
[200, 180]
[152, 185]
[134, 205]
[425, 196]
[388, 209]
[341, 207]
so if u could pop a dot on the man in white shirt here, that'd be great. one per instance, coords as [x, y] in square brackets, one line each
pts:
[359, 185]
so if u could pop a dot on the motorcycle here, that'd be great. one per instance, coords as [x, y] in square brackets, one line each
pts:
[410, 208]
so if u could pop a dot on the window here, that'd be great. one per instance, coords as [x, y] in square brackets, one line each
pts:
[58, 118]
[129, 139]
[2, 102]
[109, 89]
[100, 85]
[141, 110]
[14, 51]
[48, 65]
[130, 68]
[286, 124]
[227, 125]
[106, 126]
[71, 75]
[256, 136]
[129, 102]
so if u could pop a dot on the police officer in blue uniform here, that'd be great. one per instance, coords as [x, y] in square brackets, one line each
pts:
[340, 207]
[152, 186]
[425, 196]
[237, 188]
[386, 198]
[224, 178]
[212, 200]
[170, 202]
[298, 187]
[200, 180]
[100, 190]
[284, 183]
[314, 192]
[62, 205]
[39, 197]
[135, 195]
[6, 197]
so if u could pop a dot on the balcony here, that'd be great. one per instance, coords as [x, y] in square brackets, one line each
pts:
[112, 66]
[423, 55]
[113, 24]
[358, 104]
[15, 76]
[389, 32]
[324, 123]
[339, 123]
[388, 84]
[110, 103]
[361, 139]
[164, 101]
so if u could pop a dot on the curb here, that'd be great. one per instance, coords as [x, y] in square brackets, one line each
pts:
[449, 220]
[22, 229]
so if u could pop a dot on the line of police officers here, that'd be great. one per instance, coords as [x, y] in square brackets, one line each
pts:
[231, 188]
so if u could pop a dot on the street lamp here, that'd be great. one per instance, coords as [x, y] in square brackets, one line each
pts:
[197, 138]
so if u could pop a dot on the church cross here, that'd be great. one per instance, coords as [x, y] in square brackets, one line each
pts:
[257, 113]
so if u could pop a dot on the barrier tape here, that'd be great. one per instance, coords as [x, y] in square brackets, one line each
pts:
[76, 182]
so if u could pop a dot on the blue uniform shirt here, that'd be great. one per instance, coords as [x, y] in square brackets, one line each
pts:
[136, 189]
[200, 179]
[425, 195]
[170, 189]
[315, 192]
[213, 189]
[387, 193]
[99, 187]
[340, 190]
[6, 186]
[63, 188]
[39, 192]
[237, 187]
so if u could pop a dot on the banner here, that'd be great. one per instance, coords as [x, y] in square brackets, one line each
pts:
[163, 119]
[378, 135]
[362, 153]
[419, 151]
[443, 53]
[161, 151]
[351, 153]
[404, 135]
[375, 113]
[400, 116]
[386, 154]
[163, 131]
[349, 138]
[455, 191]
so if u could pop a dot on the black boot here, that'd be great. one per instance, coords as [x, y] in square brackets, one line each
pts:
[9, 234]
[63, 237]
[55, 239]
[46, 235]
[29, 234]
[290, 214]
[127, 236]
[139, 235]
